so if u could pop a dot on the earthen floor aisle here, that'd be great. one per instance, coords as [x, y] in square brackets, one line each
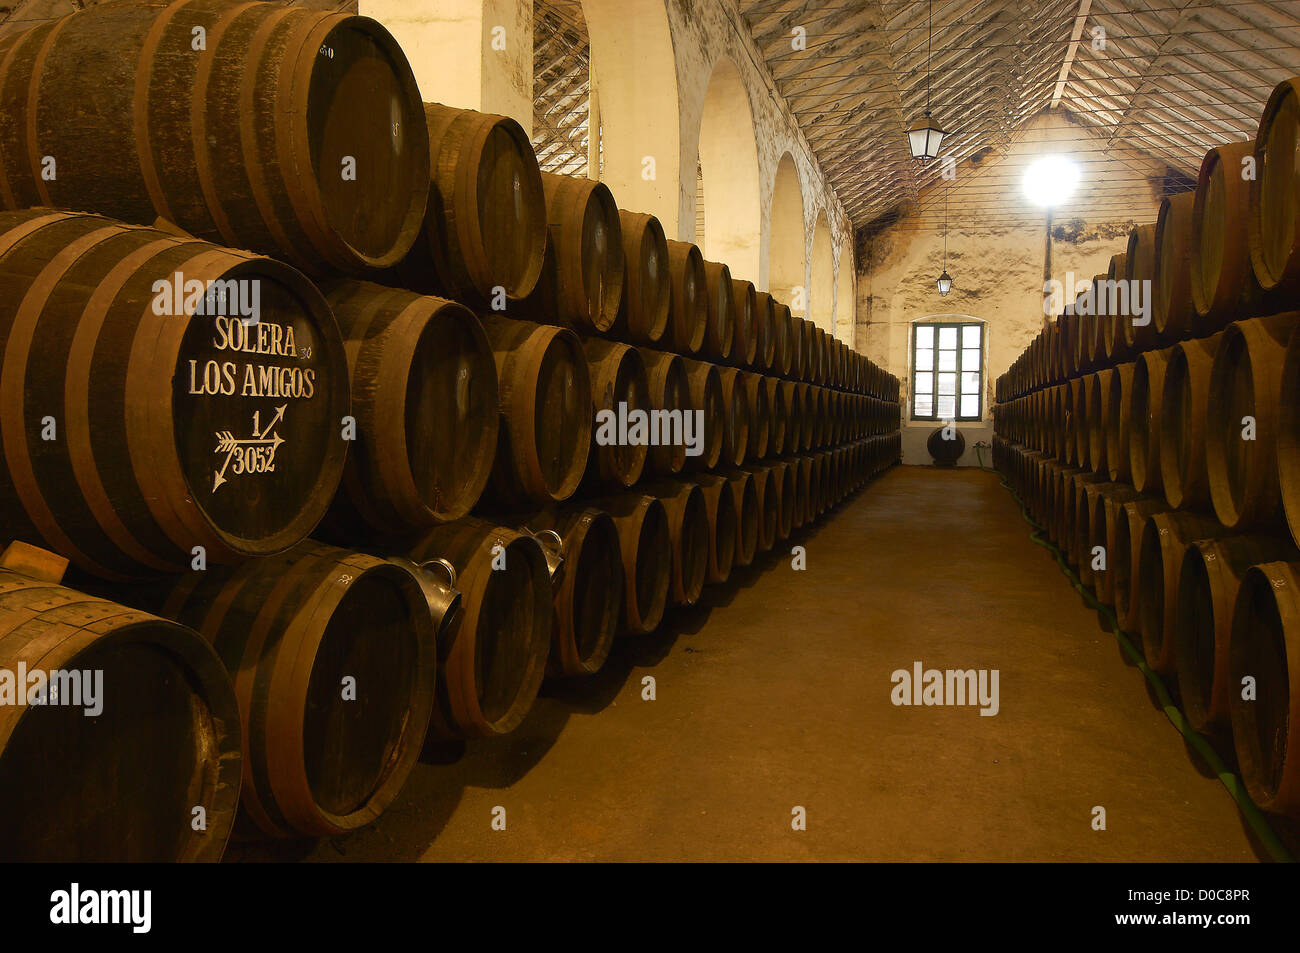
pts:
[777, 695]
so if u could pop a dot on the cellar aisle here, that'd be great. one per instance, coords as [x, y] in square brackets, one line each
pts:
[778, 695]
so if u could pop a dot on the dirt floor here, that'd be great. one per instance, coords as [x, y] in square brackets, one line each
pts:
[777, 695]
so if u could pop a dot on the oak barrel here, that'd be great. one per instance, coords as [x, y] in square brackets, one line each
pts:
[424, 396]
[294, 132]
[492, 657]
[142, 416]
[333, 658]
[148, 734]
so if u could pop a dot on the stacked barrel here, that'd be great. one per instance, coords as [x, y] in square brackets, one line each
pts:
[1161, 450]
[517, 421]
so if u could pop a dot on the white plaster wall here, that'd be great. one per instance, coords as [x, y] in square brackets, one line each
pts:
[997, 269]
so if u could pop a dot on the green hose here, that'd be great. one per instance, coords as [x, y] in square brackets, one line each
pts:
[1258, 823]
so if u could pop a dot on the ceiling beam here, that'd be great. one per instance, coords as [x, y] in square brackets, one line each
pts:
[1079, 19]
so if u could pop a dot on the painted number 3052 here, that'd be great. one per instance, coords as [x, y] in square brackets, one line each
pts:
[253, 460]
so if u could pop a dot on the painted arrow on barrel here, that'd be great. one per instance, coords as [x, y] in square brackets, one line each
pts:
[229, 443]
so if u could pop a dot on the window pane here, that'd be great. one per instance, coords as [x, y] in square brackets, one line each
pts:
[947, 360]
[924, 406]
[924, 359]
[947, 384]
[924, 335]
[924, 382]
[970, 335]
[947, 408]
[948, 337]
[970, 382]
[970, 405]
[970, 360]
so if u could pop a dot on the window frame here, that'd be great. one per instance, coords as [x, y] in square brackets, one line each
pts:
[959, 325]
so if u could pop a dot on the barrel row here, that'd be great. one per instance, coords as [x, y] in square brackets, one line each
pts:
[1208, 425]
[1227, 251]
[1213, 609]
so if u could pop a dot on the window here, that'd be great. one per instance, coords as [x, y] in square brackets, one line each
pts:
[947, 371]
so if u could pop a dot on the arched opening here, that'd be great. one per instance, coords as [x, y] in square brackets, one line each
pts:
[820, 299]
[729, 173]
[562, 91]
[634, 77]
[787, 244]
[845, 297]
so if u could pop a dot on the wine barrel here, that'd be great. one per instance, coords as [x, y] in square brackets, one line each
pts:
[1222, 282]
[1103, 525]
[1146, 410]
[765, 331]
[794, 422]
[493, 655]
[745, 496]
[588, 592]
[647, 280]
[121, 784]
[483, 240]
[1100, 414]
[744, 307]
[688, 530]
[671, 404]
[1140, 267]
[1073, 420]
[333, 656]
[584, 226]
[1087, 409]
[720, 502]
[802, 469]
[736, 422]
[811, 353]
[689, 305]
[945, 446]
[783, 344]
[1274, 219]
[720, 327]
[782, 481]
[645, 542]
[620, 390]
[1119, 408]
[1266, 649]
[810, 427]
[760, 414]
[271, 139]
[1089, 531]
[778, 415]
[1124, 562]
[706, 395]
[1241, 426]
[1165, 538]
[1288, 436]
[795, 346]
[1172, 310]
[1208, 581]
[1182, 423]
[167, 416]
[424, 386]
[768, 491]
[545, 404]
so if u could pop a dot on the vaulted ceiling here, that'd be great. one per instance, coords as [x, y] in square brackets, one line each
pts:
[1168, 78]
